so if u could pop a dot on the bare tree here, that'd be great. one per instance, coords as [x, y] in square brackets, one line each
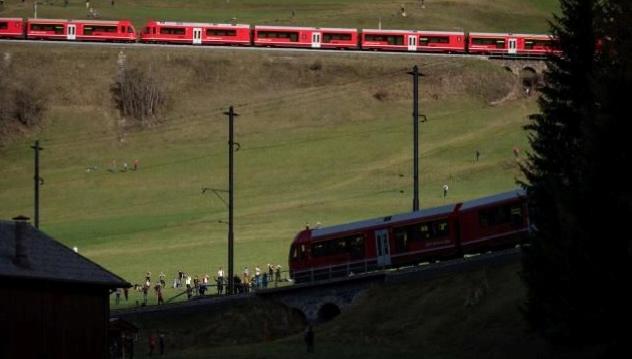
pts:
[140, 95]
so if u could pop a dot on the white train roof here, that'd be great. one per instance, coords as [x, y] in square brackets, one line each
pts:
[420, 32]
[63, 21]
[274, 27]
[509, 34]
[500, 197]
[201, 24]
[376, 223]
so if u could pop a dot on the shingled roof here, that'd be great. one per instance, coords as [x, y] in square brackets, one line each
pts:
[50, 260]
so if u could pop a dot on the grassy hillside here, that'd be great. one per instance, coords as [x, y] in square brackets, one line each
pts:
[470, 15]
[317, 145]
[467, 315]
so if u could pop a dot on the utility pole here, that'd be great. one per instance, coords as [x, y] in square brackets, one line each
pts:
[37, 180]
[231, 148]
[416, 74]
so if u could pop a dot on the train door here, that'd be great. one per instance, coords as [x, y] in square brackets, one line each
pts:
[72, 32]
[316, 40]
[412, 42]
[382, 248]
[513, 46]
[197, 36]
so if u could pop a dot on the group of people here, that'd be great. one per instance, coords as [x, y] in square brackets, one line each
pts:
[198, 285]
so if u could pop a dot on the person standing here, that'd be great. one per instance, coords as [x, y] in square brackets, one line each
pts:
[126, 293]
[161, 343]
[445, 190]
[220, 281]
[478, 155]
[277, 275]
[118, 295]
[162, 279]
[152, 343]
[158, 289]
[309, 339]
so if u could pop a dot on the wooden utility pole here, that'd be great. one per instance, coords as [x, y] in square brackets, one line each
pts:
[37, 181]
[231, 148]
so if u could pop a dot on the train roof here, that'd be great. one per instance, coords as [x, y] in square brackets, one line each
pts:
[420, 32]
[381, 221]
[63, 21]
[274, 27]
[11, 18]
[500, 197]
[178, 23]
[509, 34]
[406, 217]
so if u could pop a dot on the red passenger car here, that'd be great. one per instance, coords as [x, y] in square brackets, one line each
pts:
[444, 232]
[312, 37]
[195, 33]
[389, 40]
[80, 30]
[11, 28]
[511, 44]
[442, 41]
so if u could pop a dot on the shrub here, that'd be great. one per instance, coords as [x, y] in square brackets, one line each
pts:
[140, 95]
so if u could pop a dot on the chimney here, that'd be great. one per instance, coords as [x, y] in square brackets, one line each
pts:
[21, 246]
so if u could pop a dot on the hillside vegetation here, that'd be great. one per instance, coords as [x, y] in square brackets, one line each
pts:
[465, 315]
[324, 138]
[469, 15]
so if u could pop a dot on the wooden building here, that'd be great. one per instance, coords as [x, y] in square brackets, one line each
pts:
[54, 303]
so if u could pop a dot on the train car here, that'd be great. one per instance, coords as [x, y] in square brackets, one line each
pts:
[308, 37]
[11, 28]
[537, 45]
[444, 232]
[492, 43]
[511, 44]
[493, 222]
[195, 33]
[389, 40]
[442, 41]
[80, 30]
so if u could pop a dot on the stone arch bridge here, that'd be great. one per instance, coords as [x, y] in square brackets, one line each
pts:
[321, 301]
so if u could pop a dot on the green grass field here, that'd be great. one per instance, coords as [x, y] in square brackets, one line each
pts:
[469, 15]
[317, 145]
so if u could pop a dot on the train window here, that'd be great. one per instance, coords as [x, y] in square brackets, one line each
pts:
[4, 25]
[390, 39]
[401, 239]
[220, 32]
[58, 29]
[329, 37]
[488, 41]
[433, 229]
[501, 215]
[294, 252]
[530, 44]
[292, 36]
[395, 40]
[130, 30]
[434, 40]
[172, 30]
[90, 29]
[352, 246]
[500, 44]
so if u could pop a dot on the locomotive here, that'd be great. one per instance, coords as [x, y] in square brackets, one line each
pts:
[170, 32]
[450, 231]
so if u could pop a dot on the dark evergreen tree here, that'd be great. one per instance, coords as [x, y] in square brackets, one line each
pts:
[578, 266]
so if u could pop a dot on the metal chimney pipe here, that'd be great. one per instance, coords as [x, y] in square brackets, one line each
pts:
[21, 246]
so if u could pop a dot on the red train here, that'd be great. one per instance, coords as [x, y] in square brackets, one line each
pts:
[449, 231]
[282, 36]
[79, 30]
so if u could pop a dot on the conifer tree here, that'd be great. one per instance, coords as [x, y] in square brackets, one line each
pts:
[577, 264]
